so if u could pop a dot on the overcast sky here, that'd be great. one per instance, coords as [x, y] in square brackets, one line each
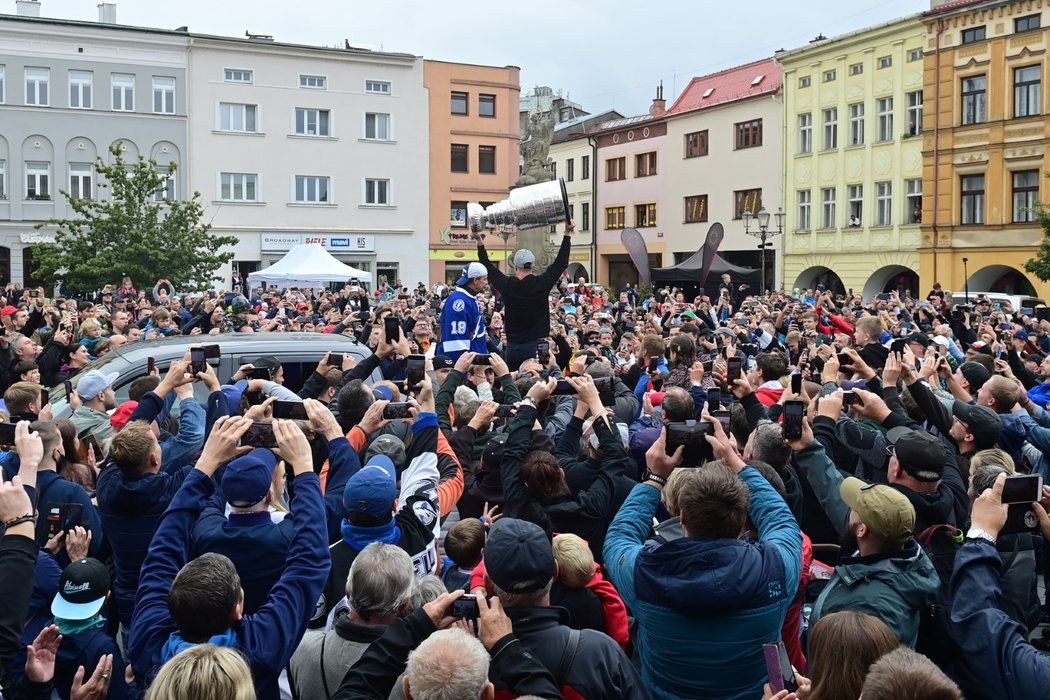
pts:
[605, 54]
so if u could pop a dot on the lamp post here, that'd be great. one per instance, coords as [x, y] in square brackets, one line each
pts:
[966, 280]
[764, 233]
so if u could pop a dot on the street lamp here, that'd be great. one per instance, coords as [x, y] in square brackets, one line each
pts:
[764, 233]
[966, 281]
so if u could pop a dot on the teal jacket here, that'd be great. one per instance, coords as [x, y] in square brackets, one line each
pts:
[704, 606]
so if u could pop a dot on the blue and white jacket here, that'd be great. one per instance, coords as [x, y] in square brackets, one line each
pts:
[462, 325]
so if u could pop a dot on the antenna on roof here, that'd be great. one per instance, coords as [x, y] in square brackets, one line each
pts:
[259, 37]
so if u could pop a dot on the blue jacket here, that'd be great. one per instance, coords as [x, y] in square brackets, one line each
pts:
[267, 638]
[462, 325]
[176, 451]
[1009, 666]
[705, 607]
[85, 649]
[54, 491]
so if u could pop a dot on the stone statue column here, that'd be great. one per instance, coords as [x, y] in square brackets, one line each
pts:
[535, 152]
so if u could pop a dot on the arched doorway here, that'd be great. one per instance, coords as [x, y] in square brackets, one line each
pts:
[29, 275]
[575, 271]
[892, 278]
[1002, 279]
[5, 265]
[820, 276]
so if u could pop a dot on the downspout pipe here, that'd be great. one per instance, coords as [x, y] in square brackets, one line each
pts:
[593, 223]
[936, 140]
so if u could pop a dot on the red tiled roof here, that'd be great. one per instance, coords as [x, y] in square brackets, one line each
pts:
[729, 85]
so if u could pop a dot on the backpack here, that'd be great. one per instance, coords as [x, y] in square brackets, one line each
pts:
[941, 543]
[560, 674]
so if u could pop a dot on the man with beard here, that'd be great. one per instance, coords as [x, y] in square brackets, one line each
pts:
[96, 398]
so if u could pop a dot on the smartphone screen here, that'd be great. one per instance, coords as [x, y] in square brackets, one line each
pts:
[773, 670]
[393, 411]
[543, 350]
[505, 410]
[7, 433]
[733, 367]
[198, 363]
[415, 371]
[723, 417]
[259, 435]
[63, 517]
[796, 383]
[564, 388]
[212, 352]
[291, 410]
[466, 607]
[68, 386]
[260, 373]
[849, 398]
[392, 329]
[483, 359]
[654, 364]
[793, 412]
[151, 364]
[844, 359]
[1022, 488]
[714, 400]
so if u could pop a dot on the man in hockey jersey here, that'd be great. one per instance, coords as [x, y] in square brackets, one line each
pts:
[462, 323]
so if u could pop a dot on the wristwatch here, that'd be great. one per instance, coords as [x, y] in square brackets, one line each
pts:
[650, 476]
[528, 401]
[976, 533]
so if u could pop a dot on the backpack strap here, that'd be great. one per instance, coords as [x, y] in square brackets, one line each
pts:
[567, 657]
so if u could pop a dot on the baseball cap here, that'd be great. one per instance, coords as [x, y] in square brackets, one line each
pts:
[884, 509]
[390, 446]
[371, 491]
[267, 362]
[920, 338]
[524, 258]
[234, 392]
[688, 313]
[723, 330]
[8, 311]
[443, 362]
[941, 340]
[472, 271]
[492, 454]
[1021, 335]
[82, 590]
[919, 453]
[92, 383]
[518, 556]
[982, 422]
[981, 346]
[976, 374]
[123, 413]
[246, 480]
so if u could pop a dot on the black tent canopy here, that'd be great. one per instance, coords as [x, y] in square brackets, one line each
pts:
[688, 274]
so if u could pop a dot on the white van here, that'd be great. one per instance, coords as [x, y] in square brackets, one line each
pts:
[1018, 301]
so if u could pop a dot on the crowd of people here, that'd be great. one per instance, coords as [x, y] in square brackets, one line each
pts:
[530, 487]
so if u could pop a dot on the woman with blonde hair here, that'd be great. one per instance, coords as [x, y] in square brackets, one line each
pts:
[204, 672]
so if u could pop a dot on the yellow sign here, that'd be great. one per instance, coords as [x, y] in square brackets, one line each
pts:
[444, 254]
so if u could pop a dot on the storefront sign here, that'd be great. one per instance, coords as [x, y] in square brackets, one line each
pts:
[336, 243]
[36, 237]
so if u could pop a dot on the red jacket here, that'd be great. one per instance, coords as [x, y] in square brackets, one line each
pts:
[793, 620]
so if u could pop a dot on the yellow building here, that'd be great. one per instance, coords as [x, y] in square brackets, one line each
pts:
[984, 145]
[853, 159]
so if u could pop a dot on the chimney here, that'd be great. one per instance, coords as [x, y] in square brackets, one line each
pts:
[659, 104]
[107, 13]
[27, 8]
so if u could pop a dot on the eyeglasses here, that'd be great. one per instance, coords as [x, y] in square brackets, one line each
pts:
[890, 450]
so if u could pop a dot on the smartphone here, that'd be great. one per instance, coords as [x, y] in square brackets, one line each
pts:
[7, 433]
[723, 417]
[483, 359]
[850, 398]
[714, 400]
[334, 359]
[63, 517]
[796, 383]
[898, 346]
[198, 362]
[260, 435]
[778, 667]
[89, 441]
[844, 359]
[151, 364]
[45, 396]
[793, 412]
[606, 391]
[884, 297]
[505, 410]
[733, 367]
[68, 386]
[1026, 311]
[212, 352]
[543, 351]
[291, 410]
[393, 411]
[391, 328]
[415, 371]
[709, 365]
[690, 435]
[563, 388]
[260, 373]
[1023, 488]
[654, 364]
[466, 607]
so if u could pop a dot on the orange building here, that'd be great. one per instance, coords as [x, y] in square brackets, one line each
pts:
[474, 132]
[986, 144]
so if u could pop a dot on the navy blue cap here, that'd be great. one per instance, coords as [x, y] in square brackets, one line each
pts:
[247, 479]
[372, 490]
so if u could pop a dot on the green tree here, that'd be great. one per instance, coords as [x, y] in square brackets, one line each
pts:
[130, 233]
[1039, 265]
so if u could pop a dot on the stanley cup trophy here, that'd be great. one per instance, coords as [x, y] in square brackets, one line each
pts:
[542, 204]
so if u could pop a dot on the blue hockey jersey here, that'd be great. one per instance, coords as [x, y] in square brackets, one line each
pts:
[462, 325]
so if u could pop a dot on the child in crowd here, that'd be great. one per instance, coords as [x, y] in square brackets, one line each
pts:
[464, 545]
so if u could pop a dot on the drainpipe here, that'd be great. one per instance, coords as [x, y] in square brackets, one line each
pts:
[594, 208]
[936, 138]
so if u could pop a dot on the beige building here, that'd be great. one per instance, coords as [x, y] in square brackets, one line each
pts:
[853, 159]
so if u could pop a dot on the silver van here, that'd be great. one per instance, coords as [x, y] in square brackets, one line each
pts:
[1019, 301]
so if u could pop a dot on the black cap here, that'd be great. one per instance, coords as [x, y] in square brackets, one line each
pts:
[976, 374]
[919, 453]
[518, 556]
[443, 362]
[492, 454]
[920, 338]
[82, 590]
[981, 422]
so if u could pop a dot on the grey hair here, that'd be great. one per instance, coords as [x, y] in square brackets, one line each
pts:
[381, 580]
[17, 342]
[427, 589]
[769, 445]
[521, 600]
[448, 665]
[984, 478]
[465, 403]
[599, 370]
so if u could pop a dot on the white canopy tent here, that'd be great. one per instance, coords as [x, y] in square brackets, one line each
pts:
[307, 265]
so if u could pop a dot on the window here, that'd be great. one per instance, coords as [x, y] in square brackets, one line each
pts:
[973, 100]
[885, 61]
[885, 107]
[914, 55]
[239, 187]
[746, 200]
[167, 188]
[827, 214]
[38, 180]
[974, 34]
[749, 134]
[804, 202]
[164, 95]
[487, 159]
[831, 129]
[855, 205]
[459, 157]
[615, 217]
[585, 216]
[1026, 195]
[644, 215]
[856, 124]
[913, 201]
[123, 86]
[696, 209]
[883, 203]
[570, 169]
[80, 89]
[377, 87]
[914, 113]
[311, 122]
[3, 82]
[616, 169]
[805, 133]
[973, 199]
[486, 105]
[1026, 91]
[460, 103]
[856, 68]
[829, 75]
[236, 117]
[645, 164]
[554, 170]
[696, 144]
[572, 212]
[377, 192]
[3, 179]
[585, 166]
[80, 181]
[311, 189]
[313, 82]
[1027, 23]
[377, 126]
[804, 81]
[38, 91]
[237, 75]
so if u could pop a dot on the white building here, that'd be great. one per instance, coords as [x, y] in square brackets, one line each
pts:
[292, 144]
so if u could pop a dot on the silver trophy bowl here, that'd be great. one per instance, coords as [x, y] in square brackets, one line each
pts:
[542, 204]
